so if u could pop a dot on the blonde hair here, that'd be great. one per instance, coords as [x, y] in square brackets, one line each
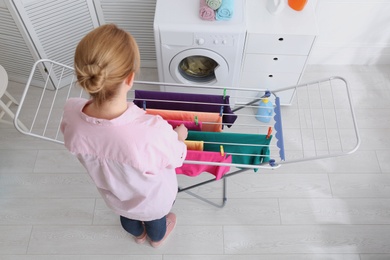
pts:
[103, 59]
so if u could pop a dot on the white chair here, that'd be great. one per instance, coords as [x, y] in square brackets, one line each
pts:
[4, 107]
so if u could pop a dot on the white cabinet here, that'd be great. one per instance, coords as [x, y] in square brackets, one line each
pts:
[277, 47]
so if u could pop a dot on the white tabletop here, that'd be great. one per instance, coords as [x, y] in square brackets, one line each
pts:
[179, 15]
[289, 21]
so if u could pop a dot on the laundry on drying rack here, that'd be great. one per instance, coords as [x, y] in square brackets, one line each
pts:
[211, 122]
[250, 149]
[194, 145]
[186, 102]
[245, 151]
[190, 125]
[202, 156]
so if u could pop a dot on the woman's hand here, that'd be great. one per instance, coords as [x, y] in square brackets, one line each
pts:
[182, 132]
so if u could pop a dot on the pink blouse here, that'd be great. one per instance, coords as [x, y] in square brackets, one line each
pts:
[131, 158]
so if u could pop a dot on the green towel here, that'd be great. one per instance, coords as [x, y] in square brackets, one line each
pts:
[214, 4]
[244, 144]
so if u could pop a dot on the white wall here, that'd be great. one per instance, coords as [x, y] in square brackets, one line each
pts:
[352, 32]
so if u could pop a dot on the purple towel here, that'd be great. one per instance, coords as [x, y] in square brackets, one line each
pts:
[186, 102]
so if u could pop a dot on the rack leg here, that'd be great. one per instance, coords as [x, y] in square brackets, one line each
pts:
[224, 199]
[224, 188]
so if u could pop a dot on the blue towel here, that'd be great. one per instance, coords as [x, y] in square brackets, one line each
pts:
[225, 12]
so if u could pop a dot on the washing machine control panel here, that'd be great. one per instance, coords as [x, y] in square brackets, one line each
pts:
[205, 40]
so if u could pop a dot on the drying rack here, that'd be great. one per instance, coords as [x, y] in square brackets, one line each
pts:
[320, 122]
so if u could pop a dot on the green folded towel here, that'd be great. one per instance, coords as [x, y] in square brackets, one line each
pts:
[214, 4]
[246, 145]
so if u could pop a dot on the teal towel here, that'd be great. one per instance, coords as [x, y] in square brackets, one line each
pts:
[246, 145]
[225, 11]
[214, 4]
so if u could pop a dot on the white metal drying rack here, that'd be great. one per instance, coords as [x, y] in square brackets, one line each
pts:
[321, 122]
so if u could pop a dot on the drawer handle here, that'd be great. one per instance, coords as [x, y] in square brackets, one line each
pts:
[270, 75]
[276, 58]
[281, 39]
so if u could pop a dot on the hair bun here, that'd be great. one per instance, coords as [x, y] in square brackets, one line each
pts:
[91, 77]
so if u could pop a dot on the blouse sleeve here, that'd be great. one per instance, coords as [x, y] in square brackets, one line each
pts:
[165, 146]
[69, 104]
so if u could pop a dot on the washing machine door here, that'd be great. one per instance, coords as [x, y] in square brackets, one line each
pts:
[199, 66]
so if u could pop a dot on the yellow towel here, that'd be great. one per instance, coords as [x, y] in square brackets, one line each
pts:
[194, 145]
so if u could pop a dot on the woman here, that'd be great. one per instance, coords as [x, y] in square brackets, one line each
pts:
[131, 156]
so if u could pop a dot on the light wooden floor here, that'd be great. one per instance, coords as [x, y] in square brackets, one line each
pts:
[330, 209]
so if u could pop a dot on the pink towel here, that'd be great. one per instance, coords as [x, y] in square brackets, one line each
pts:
[205, 12]
[190, 125]
[211, 122]
[196, 169]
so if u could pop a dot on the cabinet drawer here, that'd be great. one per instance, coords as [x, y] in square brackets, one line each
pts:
[267, 80]
[274, 63]
[274, 81]
[279, 44]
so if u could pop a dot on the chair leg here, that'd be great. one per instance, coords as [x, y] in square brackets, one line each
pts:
[2, 113]
[6, 109]
[13, 100]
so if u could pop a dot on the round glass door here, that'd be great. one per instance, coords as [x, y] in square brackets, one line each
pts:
[198, 68]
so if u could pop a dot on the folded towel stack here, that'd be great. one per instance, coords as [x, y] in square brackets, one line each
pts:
[221, 10]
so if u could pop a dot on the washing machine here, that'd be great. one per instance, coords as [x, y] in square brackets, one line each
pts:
[193, 51]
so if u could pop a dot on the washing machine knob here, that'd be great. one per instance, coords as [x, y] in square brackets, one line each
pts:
[200, 41]
[224, 42]
[216, 41]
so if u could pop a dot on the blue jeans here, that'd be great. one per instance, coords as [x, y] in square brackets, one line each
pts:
[155, 229]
